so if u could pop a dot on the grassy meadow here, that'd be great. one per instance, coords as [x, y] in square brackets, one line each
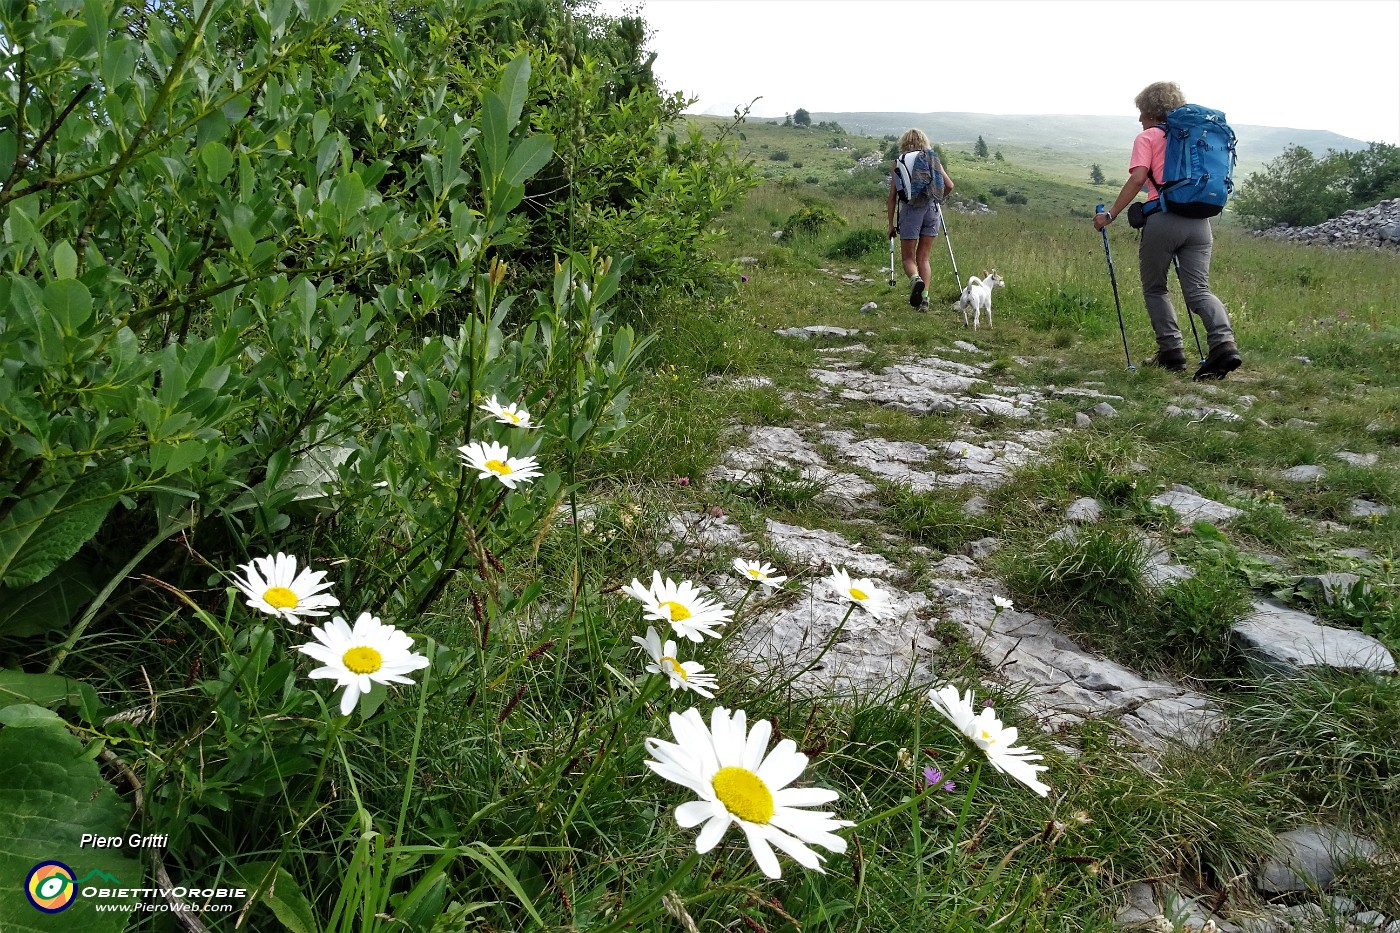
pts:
[1321, 347]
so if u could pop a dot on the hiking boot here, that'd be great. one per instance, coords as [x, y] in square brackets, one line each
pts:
[1222, 360]
[1173, 361]
[916, 292]
[923, 305]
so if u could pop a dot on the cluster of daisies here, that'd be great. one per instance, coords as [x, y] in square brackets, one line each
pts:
[356, 657]
[729, 767]
[369, 652]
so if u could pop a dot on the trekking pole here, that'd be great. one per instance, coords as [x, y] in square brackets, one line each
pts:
[896, 224]
[1116, 303]
[1189, 316]
[943, 222]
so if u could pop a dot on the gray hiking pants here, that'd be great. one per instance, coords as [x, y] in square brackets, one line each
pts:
[1189, 240]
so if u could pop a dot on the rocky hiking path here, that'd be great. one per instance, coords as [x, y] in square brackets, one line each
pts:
[1055, 678]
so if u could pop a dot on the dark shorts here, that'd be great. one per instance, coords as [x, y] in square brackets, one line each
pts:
[916, 220]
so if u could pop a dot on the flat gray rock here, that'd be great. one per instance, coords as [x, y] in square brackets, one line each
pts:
[1356, 460]
[816, 330]
[1333, 584]
[1279, 640]
[1085, 510]
[1201, 413]
[1362, 508]
[1308, 858]
[806, 644]
[1304, 473]
[1064, 684]
[815, 548]
[1192, 507]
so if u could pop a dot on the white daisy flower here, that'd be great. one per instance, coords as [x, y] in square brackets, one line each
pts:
[756, 572]
[739, 781]
[507, 414]
[863, 592]
[996, 741]
[690, 614]
[358, 658]
[273, 586]
[687, 674]
[1001, 602]
[494, 460]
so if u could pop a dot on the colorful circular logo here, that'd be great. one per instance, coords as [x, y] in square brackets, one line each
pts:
[50, 887]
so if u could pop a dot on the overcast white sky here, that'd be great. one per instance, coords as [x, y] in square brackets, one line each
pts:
[1307, 64]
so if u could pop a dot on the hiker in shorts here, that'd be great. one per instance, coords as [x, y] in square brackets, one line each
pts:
[1169, 236]
[918, 220]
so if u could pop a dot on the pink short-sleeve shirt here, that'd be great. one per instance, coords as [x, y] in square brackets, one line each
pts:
[1150, 151]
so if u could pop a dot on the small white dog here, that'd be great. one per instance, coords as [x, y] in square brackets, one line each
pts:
[977, 296]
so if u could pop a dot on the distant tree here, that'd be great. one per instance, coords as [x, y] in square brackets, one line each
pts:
[1297, 189]
[1375, 174]
[981, 150]
[1000, 157]
[1095, 174]
[802, 117]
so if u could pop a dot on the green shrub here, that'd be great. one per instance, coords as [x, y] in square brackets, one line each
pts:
[857, 243]
[998, 190]
[1015, 197]
[812, 219]
[778, 155]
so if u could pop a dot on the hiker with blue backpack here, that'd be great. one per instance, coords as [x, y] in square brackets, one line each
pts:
[918, 184]
[1184, 160]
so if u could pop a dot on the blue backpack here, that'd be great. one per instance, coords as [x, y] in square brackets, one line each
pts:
[919, 177]
[1198, 174]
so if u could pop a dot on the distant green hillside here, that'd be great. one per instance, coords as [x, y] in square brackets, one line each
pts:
[1102, 139]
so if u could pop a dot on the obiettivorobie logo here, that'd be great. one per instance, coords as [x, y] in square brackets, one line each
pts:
[52, 887]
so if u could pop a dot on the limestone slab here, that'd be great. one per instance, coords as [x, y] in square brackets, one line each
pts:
[1279, 640]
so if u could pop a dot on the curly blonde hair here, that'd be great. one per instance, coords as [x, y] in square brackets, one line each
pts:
[913, 141]
[1158, 98]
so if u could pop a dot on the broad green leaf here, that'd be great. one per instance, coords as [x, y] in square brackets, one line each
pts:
[65, 261]
[515, 85]
[349, 195]
[528, 157]
[49, 605]
[51, 796]
[217, 159]
[69, 301]
[44, 531]
[284, 897]
[44, 690]
[28, 716]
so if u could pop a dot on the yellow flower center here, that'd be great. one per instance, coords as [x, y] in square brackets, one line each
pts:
[756, 574]
[363, 660]
[744, 794]
[500, 467]
[675, 666]
[988, 737]
[279, 597]
[512, 416]
[678, 612]
[860, 595]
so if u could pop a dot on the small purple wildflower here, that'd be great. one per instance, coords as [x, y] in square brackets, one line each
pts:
[987, 703]
[933, 777]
